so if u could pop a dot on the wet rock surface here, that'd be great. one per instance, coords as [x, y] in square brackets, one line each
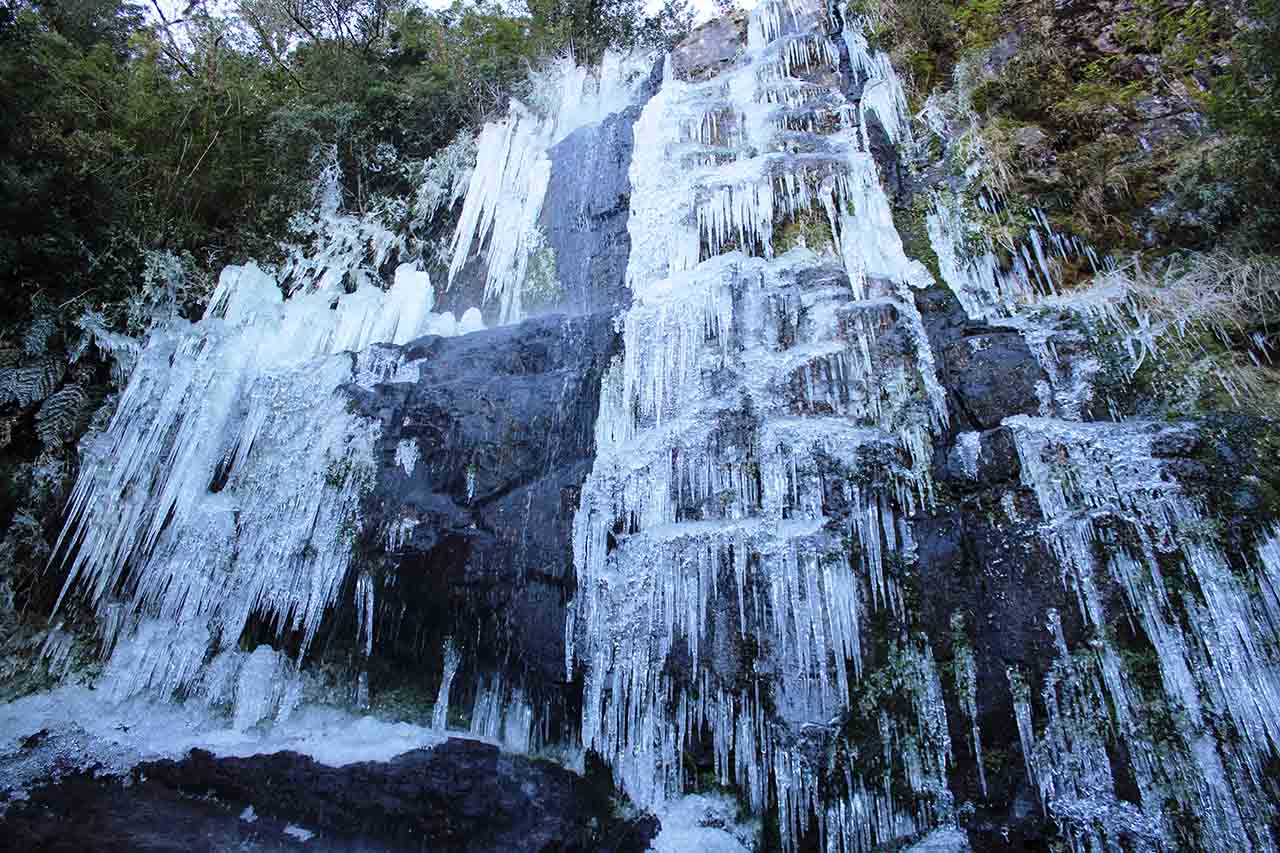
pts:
[481, 459]
[460, 796]
[585, 213]
[989, 372]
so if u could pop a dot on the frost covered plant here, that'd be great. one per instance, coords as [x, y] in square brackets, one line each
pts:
[442, 179]
[94, 331]
[171, 283]
[1217, 292]
[950, 117]
[1216, 305]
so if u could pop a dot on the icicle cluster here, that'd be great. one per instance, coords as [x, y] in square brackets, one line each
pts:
[1190, 699]
[1212, 634]
[226, 489]
[717, 598]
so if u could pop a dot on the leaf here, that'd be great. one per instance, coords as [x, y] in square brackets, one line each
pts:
[31, 383]
[60, 417]
[35, 340]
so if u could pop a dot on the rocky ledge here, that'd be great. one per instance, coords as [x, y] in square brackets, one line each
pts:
[463, 795]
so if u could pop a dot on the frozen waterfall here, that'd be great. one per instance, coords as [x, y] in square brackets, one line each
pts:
[750, 548]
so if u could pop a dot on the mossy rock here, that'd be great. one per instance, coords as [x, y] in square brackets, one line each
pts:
[910, 217]
[809, 228]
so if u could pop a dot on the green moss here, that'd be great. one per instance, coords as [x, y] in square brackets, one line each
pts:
[978, 23]
[911, 221]
[542, 287]
[886, 690]
[809, 228]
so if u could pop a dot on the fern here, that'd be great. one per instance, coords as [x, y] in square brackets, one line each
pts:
[31, 383]
[35, 340]
[61, 415]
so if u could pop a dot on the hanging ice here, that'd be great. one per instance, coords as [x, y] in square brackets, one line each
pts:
[226, 489]
[753, 384]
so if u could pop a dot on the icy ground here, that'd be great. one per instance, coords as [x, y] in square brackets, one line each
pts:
[70, 728]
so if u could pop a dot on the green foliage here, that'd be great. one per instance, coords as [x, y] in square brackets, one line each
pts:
[978, 22]
[1120, 153]
[1246, 103]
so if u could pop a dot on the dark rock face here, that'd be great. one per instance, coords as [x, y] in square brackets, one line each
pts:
[988, 371]
[998, 577]
[983, 563]
[585, 214]
[481, 460]
[459, 796]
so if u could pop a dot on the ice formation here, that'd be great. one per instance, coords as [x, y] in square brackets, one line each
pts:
[754, 383]
[1212, 639]
[505, 193]
[765, 442]
[226, 488]
[1199, 730]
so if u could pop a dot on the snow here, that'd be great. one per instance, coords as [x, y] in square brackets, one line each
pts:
[703, 822]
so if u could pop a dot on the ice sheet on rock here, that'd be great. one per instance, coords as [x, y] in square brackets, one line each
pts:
[883, 93]
[83, 730]
[968, 450]
[754, 392]
[506, 189]
[703, 822]
[1213, 643]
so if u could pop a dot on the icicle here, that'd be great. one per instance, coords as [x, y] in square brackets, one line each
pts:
[440, 712]
[688, 529]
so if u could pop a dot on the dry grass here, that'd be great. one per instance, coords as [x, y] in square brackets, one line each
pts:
[1209, 316]
[1216, 292]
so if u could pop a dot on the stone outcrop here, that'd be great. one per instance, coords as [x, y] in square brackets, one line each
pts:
[481, 458]
[461, 796]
